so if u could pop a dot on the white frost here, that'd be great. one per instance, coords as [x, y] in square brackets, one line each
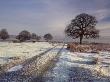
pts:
[21, 50]
[60, 73]
[15, 68]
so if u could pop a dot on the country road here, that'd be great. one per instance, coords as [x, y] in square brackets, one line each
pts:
[25, 72]
[73, 68]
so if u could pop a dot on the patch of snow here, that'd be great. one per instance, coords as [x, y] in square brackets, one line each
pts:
[84, 54]
[22, 50]
[15, 68]
[60, 73]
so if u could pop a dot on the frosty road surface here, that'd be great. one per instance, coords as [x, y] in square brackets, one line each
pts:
[72, 68]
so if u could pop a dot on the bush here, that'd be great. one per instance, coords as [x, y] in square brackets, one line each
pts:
[15, 41]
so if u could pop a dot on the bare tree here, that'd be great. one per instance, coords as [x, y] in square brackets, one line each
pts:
[24, 35]
[83, 26]
[36, 37]
[4, 34]
[48, 37]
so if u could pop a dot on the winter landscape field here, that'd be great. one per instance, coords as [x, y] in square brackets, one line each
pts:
[54, 40]
[21, 62]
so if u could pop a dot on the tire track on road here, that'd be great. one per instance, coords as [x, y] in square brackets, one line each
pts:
[20, 75]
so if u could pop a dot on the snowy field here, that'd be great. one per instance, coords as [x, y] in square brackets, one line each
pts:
[69, 66]
[77, 67]
[21, 50]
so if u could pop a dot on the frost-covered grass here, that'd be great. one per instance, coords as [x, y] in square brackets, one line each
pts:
[34, 68]
[43, 62]
[74, 67]
[22, 50]
[69, 64]
[15, 68]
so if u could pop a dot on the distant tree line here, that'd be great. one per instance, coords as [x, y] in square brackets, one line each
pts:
[82, 26]
[25, 35]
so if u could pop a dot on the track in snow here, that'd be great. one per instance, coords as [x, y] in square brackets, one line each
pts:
[13, 75]
[67, 70]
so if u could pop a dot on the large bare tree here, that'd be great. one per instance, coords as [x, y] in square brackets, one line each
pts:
[83, 26]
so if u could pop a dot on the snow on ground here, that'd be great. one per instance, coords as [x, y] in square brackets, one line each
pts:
[79, 64]
[15, 68]
[62, 70]
[31, 69]
[22, 50]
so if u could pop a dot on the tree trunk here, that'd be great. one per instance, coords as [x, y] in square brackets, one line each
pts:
[81, 37]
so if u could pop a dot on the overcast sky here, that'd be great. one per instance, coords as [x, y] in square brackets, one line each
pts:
[51, 16]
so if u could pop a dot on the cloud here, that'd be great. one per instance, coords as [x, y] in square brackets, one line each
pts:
[44, 16]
